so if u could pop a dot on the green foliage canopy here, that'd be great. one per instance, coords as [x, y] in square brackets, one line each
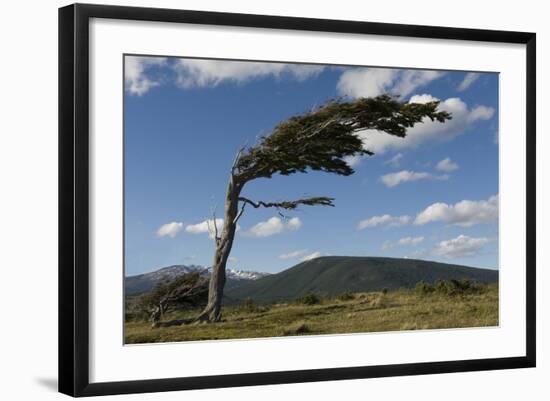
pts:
[322, 138]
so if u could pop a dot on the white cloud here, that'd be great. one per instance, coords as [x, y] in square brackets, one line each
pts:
[423, 99]
[273, 226]
[190, 73]
[301, 254]
[384, 220]
[232, 259]
[367, 82]
[207, 226]
[136, 80]
[407, 241]
[293, 254]
[169, 229]
[465, 213]
[446, 165]
[393, 179]
[480, 113]
[412, 79]
[209, 73]
[461, 246]
[462, 118]
[311, 256]
[294, 223]
[468, 80]
[395, 160]
[353, 161]
[410, 241]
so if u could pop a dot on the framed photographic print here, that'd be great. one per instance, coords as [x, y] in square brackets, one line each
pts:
[279, 199]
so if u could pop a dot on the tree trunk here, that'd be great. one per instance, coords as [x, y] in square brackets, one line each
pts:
[212, 312]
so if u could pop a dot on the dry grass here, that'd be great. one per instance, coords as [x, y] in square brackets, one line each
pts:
[368, 312]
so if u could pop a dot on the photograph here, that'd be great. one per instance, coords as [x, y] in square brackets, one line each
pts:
[268, 199]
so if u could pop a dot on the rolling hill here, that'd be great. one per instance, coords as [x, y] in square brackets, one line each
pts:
[333, 275]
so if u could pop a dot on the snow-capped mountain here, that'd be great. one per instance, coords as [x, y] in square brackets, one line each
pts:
[145, 282]
[171, 272]
[239, 274]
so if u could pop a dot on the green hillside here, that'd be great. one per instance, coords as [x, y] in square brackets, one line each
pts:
[333, 275]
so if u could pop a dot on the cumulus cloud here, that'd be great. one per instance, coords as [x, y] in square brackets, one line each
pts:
[423, 99]
[395, 160]
[384, 220]
[207, 226]
[366, 82]
[412, 79]
[353, 161]
[204, 227]
[311, 256]
[136, 80]
[410, 241]
[480, 113]
[302, 254]
[459, 247]
[407, 241]
[393, 179]
[274, 225]
[462, 118]
[293, 255]
[468, 80]
[210, 73]
[446, 165]
[465, 213]
[169, 229]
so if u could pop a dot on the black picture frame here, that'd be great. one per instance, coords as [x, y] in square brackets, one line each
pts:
[74, 198]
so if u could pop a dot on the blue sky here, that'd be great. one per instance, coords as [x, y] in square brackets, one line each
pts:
[432, 195]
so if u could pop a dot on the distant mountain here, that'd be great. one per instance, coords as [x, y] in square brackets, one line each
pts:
[243, 275]
[333, 275]
[145, 282]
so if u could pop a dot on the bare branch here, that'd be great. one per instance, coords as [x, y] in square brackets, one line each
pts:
[216, 237]
[291, 205]
[238, 216]
[214, 231]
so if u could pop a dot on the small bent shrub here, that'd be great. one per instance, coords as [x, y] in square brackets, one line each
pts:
[346, 296]
[459, 287]
[450, 287]
[297, 328]
[309, 299]
[422, 288]
[250, 307]
[443, 287]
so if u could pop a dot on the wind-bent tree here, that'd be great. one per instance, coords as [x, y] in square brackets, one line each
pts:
[316, 140]
[188, 290]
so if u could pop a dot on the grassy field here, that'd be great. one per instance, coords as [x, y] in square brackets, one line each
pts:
[351, 313]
